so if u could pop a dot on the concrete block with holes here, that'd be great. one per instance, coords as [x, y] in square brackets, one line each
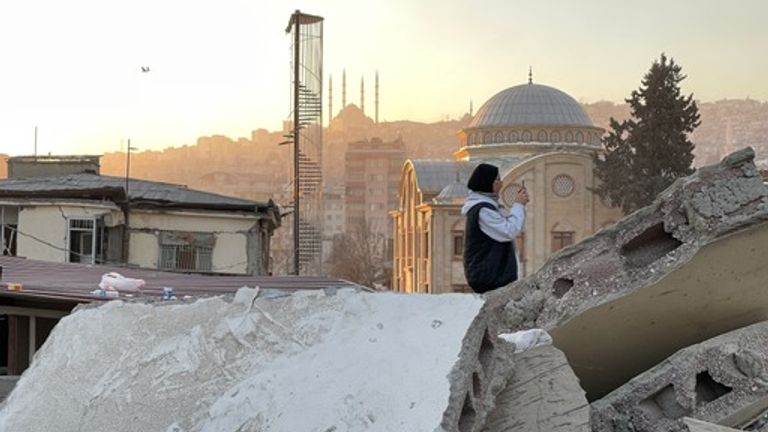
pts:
[687, 268]
[723, 381]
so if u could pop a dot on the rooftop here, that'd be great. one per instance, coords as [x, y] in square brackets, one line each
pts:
[73, 283]
[140, 192]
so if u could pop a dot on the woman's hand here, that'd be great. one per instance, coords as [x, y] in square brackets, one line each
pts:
[522, 196]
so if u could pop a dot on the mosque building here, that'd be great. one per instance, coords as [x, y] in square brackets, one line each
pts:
[539, 137]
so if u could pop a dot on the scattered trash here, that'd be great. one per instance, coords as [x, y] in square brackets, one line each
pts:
[118, 282]
[527, 339]
[168, 293]
[105, 294]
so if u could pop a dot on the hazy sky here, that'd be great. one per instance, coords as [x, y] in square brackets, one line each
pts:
[73, 68]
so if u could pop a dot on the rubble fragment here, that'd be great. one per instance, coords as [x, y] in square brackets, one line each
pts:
[723, 380]
[686, 268]
[542, 395]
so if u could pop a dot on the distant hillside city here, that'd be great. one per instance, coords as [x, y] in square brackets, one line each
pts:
[256, 167]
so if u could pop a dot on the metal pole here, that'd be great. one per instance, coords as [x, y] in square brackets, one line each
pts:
[127, 231]
[296, 214]
[127, 168]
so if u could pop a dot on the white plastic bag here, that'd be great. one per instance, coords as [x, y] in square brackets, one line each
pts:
[527, 339]
[116, 282]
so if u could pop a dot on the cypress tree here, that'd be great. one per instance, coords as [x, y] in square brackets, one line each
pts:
[646, 153]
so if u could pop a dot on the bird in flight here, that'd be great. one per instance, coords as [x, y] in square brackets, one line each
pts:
[145, 68]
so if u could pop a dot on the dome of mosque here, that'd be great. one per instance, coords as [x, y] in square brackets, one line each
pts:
[530, 105]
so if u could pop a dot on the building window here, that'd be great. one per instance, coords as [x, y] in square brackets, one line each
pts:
[579, 137]
[458, 245]
[82, 239]
[569, 137]
[562, 185]
[499, 137]
[514, 137]
[186, 251]
[527, 136]
[487, 138]
[561, 239]
[555, 137]
[542, 137]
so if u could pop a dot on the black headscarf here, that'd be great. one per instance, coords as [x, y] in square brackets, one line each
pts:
[482, 178]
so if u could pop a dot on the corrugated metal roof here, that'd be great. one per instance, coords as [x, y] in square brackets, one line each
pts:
[69, 282]
[530, 105]
[138, 190]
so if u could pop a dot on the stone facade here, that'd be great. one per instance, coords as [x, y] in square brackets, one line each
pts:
[428, 225]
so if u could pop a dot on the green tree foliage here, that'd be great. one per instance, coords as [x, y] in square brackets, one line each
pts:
[645, 154]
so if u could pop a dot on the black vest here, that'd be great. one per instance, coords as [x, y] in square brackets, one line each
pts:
[488, 264]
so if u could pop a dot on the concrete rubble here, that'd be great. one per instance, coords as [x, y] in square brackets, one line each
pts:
[658, 323]
[723, 380]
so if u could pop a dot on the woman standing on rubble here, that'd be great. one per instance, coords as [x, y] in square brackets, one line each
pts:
[490, 260]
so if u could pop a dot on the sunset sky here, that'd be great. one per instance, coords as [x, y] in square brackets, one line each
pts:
[73, 68]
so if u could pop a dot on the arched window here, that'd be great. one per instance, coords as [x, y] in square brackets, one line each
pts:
[471, 140]
[542, 136]
[514, 137]
[555, 137]
[569, 137]
[579, 137]
[526, 136]
[487, 138]
[499, 137]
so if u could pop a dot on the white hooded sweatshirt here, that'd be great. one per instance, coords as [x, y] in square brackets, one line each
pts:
[495, 223]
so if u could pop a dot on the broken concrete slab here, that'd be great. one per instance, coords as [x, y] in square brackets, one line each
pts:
[723, 380]
[693, 425]
[542, 395]
[624, 299]
[309, 361]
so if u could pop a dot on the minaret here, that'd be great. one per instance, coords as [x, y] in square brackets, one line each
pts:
[377, 97]
[330, 98]
[343, 89]
[471, 108]
[362, 94]
[530, 75]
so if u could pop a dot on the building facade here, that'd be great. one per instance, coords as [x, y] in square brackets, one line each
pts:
[89, 218]
[372, 177]
[540, 138]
